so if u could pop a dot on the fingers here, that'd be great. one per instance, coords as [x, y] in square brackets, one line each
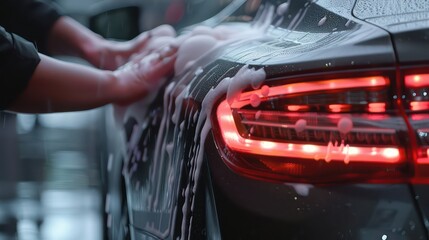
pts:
[163, 30]
[142, 40]
[149, 69]
[144, 74]
[157, 65]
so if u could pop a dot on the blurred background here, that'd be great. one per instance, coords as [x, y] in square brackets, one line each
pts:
[51, 165]
[50, 181]
[49, 176]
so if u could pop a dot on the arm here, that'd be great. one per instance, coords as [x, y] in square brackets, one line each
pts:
[69, 37]
[40, 22]
[58, 86]
[31, 19]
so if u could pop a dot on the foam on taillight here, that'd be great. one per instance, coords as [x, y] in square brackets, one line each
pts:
[315, 131]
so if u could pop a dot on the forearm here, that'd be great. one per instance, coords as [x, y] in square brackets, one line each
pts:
[69, 37]
[58, 86]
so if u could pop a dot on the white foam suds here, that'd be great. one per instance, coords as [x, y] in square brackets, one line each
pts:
[244, 77]
[163, 30]
[110, 162]
[177, 102]
[169, 149]
[135, 135]
[192, 48]
[348, 22]
[282, 9]
[198, 71]
[241, 81]
[300, 188]
[300, 125]
[265, 91]
[347, 154]
[258, 114]
[255, 100]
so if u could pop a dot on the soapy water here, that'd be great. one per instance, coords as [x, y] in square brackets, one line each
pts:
[194, 47]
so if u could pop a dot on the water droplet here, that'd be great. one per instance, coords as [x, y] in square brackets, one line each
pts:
[412, 225]
[384, 237]
[322, 21]
[348, 23]
[347, 157]
[198, 71]
[345, 125]
[252, 130]
[258, 114]
[300, 125]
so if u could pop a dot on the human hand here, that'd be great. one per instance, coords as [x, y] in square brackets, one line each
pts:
[144, 73]
[109, 54]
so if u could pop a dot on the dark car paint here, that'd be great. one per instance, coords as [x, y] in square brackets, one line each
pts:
[278, 211]
[246, 208]
[410, 35]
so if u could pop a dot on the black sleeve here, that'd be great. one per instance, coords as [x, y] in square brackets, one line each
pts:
[18, 60]
[31, 19]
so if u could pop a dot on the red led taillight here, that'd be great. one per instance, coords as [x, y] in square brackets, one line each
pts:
[416, 95]
[315, 131]
[417, 91]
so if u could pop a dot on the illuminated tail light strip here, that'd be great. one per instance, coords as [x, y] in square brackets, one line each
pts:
[237, 133]
[295, 88]
[315, 131]
[417, 80]
[417, 100]
[331, 152]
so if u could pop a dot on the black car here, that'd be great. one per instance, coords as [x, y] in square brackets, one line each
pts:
[310, 122]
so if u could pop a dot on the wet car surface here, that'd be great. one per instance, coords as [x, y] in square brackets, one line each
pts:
[308, 121]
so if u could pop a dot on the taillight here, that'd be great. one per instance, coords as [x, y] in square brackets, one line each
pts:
[417, 86]
[416, 95]
[316, 131]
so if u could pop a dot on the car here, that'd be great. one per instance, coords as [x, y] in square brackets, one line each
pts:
[283, 120]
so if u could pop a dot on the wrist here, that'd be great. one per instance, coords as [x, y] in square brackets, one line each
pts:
[92, 49]
[113, 87]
